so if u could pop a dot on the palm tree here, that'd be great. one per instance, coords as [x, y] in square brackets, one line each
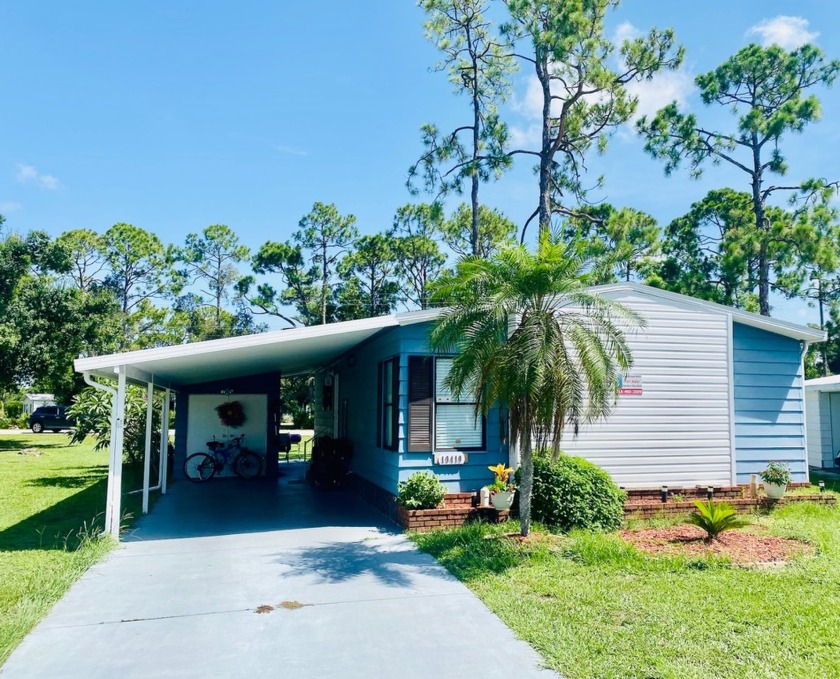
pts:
[528, 335]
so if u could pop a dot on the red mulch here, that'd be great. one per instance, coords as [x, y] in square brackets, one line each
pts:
[741, 547]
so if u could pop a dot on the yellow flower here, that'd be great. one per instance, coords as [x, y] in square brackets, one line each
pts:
[502, 473]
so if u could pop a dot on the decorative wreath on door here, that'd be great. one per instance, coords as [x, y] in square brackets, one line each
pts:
[231, 414]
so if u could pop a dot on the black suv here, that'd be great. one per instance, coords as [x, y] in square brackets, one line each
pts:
[52, 418]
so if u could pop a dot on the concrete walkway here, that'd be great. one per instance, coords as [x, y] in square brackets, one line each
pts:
[344, 594]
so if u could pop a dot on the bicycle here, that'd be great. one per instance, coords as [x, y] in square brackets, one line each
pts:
[200, 467]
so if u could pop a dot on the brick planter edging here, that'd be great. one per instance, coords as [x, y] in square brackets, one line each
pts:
[425, 520]
[647, 510]
[458, 508]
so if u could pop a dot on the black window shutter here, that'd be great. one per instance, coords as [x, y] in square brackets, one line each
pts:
[419, 404]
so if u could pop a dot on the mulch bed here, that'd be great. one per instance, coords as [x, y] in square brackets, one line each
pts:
[744, 548]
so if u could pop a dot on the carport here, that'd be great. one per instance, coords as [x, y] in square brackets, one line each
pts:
[216, 364]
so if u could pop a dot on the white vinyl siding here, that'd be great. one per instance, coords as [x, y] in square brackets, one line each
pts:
[677, 432]
[813, 428]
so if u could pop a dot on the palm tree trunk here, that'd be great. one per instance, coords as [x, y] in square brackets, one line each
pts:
[526, 488]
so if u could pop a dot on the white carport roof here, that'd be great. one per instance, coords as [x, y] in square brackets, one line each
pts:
[293, 351]
[830, 383]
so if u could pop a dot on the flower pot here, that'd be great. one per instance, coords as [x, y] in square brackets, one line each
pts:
[775, 490]
[502, 500]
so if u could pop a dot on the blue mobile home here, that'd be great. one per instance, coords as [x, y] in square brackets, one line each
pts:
[713, 395]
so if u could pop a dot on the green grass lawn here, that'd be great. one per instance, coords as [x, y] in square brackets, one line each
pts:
[595, 607]
[52, 500]
[300, 451]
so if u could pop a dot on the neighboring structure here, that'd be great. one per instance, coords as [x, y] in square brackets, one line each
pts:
[822, 407]
[33, 401]
[715, 394]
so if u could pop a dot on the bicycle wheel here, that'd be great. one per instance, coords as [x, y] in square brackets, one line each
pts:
[199, 467]
[248, 465]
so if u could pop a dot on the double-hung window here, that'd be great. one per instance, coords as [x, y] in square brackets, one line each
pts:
[456, 424]
[388, 403]
[437, 420]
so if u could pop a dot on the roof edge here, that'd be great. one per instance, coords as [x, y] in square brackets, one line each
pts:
[774, 325]
[93, 363]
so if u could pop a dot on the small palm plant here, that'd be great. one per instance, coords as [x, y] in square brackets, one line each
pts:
[715, 517]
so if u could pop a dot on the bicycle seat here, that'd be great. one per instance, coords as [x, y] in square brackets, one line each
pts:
[214, 445]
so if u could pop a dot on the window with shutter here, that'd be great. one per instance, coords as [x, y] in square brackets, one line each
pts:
[419, 404]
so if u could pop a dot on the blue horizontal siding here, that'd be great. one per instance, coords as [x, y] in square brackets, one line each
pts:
[386, 468]
[769, 402]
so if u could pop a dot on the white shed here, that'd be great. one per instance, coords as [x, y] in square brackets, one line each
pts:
[822, 416]
[32, 402]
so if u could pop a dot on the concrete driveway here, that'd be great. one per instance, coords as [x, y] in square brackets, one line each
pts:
[231, 579]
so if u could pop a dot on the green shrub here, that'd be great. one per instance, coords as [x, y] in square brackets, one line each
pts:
[5, 423]
[571, 492]
[715, 517]
[422, 490]
[91, 411]
[14, 410]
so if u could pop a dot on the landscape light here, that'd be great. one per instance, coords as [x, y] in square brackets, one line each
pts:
[710, 492]
[664, 493]
[822, 486]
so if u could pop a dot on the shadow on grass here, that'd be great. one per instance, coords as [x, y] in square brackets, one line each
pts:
[58, 526]
[476, 549]
[832, 481]
[46, 441]
[79, 478]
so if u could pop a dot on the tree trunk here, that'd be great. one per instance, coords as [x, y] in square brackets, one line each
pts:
[545, 154]
[474, 173]
[324, 284]
[823, 348]
[526, 488]
[761, 228]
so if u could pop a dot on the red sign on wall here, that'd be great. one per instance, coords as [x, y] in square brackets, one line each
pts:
[629, 385]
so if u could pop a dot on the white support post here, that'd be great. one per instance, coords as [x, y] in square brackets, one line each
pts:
[114, 502]
[147, 453]
[164, 443]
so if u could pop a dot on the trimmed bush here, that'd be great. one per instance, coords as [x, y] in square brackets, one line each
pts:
[571, 492]
[421, 491]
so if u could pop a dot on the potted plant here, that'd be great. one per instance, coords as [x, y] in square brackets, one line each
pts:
[775, 479]
[501, 490]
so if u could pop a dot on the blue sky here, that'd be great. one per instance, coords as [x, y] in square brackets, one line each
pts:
[176, 115]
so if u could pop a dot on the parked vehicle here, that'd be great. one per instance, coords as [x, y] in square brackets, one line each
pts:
[49, 418]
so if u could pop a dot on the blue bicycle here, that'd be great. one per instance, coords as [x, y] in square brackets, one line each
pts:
[200, 467]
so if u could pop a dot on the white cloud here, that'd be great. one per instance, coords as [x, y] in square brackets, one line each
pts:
[528, 136]
[28, 174]
[785, 31]
[661, 90]
[291, 151]
[9, 206]
[626, 31]
[652, 95]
